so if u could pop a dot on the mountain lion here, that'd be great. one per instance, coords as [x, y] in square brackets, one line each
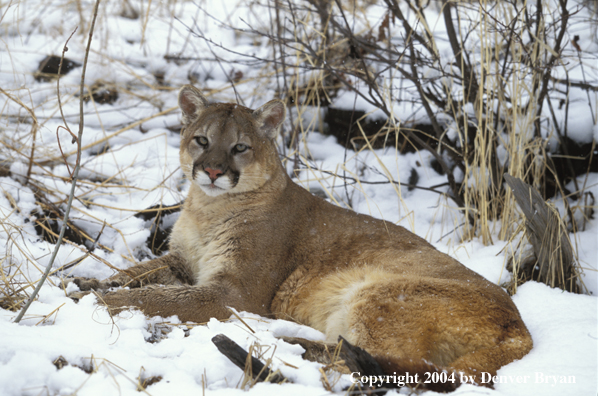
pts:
[250, 238]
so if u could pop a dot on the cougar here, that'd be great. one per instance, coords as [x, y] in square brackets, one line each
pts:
[248, 237]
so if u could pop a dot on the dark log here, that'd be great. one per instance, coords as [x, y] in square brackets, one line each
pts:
[355, 358]
[238, 356]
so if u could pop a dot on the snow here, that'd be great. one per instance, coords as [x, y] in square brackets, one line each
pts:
[544, 310]
[138, 168]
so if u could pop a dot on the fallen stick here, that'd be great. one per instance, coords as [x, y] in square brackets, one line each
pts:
[239, 356]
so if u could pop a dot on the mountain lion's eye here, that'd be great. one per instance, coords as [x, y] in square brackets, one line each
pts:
[239, 148]
[202, 141]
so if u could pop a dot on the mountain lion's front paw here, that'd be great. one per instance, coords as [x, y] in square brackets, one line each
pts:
[89, 284]
[86, 284]
[76, 296]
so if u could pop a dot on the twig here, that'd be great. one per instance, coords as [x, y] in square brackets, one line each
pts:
[577, 84]
[75, 174]
[66, 125]
[236, 315]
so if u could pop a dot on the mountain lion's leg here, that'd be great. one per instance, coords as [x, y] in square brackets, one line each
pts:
[170, 269]
[189, 303]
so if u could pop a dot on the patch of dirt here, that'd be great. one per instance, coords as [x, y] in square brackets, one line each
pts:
[48, 68]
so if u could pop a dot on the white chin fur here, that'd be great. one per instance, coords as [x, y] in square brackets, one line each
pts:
[220, 186]
[212, 191]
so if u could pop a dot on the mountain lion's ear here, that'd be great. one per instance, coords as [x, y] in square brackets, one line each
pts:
[269, 117]
[192, 102]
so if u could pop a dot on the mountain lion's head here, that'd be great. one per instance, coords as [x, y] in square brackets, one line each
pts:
[228, 148]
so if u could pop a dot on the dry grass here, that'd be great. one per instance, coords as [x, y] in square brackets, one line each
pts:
[497, 128]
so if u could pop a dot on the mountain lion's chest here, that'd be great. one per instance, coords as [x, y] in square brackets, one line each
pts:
[206, 245]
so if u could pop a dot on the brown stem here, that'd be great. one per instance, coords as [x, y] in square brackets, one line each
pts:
[470, 84]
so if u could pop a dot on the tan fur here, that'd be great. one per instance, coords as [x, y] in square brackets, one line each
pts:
[260, 243]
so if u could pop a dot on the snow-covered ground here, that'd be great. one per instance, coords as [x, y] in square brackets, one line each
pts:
[126, 170]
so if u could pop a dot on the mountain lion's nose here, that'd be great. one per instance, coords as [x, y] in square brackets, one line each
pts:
[213, 173]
